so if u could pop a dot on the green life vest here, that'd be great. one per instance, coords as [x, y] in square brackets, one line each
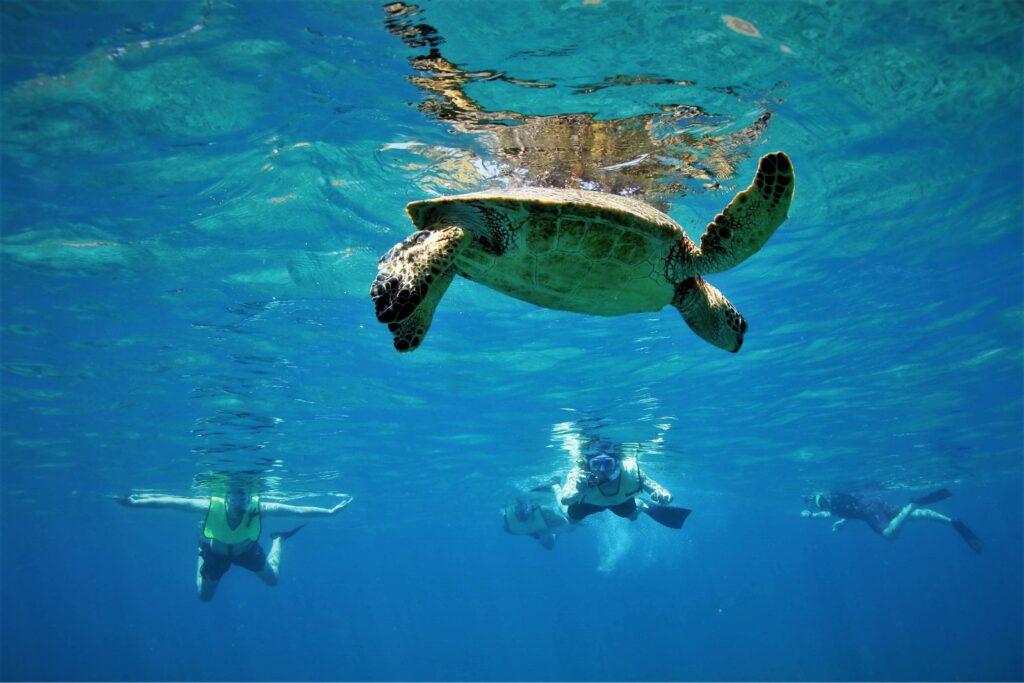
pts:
[609, 493]
[218, 528]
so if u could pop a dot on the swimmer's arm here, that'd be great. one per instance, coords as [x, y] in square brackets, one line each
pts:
[285, 510]
[156, 501]
[576, 486]
[838, 526]
[821, 514]
[556, 489]
[657, 492]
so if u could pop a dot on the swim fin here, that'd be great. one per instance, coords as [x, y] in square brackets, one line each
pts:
[285, 535]
[933, 497]
[546, 539]
[546, 488]
[667, 515]
[967, 535]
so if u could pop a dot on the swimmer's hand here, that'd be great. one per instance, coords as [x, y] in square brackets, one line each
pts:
[805, 513]
[661, 497]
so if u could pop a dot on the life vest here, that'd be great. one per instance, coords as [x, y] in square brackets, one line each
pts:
[628, 484]
[218, 528]
[537, 521]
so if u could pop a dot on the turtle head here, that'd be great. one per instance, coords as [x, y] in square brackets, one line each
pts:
[709, 314]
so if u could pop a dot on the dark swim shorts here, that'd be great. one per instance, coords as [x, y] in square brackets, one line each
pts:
[215, 565]
[578, 511]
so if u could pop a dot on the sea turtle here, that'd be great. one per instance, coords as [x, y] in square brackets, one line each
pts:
[577, 250]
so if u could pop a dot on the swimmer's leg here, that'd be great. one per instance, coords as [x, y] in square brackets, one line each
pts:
[271, 572]
[892, 531]
[973, 541]
[924, 513]
[206, 587]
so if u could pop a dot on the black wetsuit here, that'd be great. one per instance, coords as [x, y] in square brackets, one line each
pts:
[874, 511]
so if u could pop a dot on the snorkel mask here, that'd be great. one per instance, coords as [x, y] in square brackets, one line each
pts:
[237, 499]
[237, 503]
[604, 466]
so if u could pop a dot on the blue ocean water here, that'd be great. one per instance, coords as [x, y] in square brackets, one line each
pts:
[194, 199]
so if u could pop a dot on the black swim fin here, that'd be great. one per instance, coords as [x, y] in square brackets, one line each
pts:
[967, 535]
[546, 539]
[285, 535]
[545, 488]
[933, 497]
[667, 515]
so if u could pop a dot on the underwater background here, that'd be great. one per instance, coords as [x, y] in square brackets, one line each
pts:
[194, 198]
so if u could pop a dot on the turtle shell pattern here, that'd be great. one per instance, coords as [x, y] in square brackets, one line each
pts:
[573, 250]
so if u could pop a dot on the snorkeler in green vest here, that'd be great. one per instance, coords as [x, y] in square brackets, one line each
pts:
[231, 532]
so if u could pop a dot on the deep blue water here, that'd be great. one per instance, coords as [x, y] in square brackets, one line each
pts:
[194, 198]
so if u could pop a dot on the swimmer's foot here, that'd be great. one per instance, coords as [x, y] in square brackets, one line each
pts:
[284, 535]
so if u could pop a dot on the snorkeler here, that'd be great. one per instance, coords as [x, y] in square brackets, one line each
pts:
[884, 518]
[603, 479]
[231, 532]
[532, 516]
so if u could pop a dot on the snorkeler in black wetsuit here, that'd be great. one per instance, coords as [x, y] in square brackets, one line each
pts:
[884, 518]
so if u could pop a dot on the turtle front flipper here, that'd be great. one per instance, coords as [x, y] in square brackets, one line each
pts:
[408, 334]
[411, 279]
[709, 314]
[751, 218]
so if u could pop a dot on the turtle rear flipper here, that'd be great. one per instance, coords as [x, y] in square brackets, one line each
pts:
[709, 314]
[411, 279]
[751, 218]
